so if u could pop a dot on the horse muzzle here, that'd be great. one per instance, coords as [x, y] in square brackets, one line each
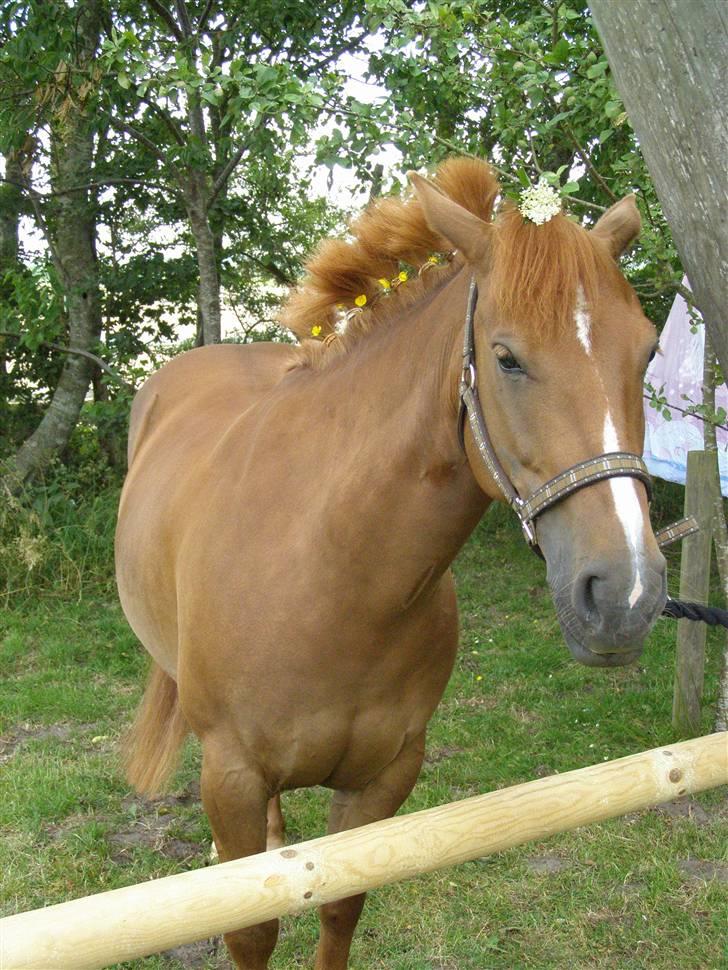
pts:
[607, 610]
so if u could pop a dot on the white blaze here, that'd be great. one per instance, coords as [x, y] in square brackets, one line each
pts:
[629, 512]
[624, 490]
[583, 321]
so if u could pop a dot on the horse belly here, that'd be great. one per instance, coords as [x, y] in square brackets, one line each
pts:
[315, 701]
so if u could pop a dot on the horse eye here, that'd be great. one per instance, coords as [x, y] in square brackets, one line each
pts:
[652, 355]
[508, 363]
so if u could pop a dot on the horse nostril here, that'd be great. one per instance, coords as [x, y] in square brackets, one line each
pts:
[585, 601]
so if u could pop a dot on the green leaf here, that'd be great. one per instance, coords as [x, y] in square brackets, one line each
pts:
[523, 178]
[561, 50]
[596, 70]
[123, 80]
[612, 108]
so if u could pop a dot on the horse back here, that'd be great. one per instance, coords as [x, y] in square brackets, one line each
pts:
[206, 389]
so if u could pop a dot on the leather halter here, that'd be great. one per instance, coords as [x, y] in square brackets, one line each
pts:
[609, 465]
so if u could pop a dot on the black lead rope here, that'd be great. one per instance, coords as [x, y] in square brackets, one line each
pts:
[680, 610]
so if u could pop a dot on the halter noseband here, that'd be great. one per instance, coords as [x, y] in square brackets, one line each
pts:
[609, 465]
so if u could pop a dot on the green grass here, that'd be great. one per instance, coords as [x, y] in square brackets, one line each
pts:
[648, 890]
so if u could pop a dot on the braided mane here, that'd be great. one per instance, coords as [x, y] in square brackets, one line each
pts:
[536, 270]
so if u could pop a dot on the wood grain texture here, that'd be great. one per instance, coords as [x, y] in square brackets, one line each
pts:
[694, 586]
[139, 920]
[668, 58]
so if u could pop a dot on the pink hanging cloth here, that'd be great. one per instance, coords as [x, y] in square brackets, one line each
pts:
[677, 375]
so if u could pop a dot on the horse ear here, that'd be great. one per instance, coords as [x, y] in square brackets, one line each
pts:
[619, 225]
[462, 228]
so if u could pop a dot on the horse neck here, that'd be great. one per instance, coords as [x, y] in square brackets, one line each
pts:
[404, 475]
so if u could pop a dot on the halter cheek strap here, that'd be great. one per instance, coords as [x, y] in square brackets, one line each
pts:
[608, 465]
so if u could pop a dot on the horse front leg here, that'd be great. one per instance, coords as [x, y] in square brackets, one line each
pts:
[380, 799]
[235, 798]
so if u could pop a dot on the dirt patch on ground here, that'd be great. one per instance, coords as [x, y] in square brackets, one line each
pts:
[486, 702]
[547, 864]
[150, 828]
[152, 834]
[686, 807]
[154, 824]
[436, 755]
[165, 803]
[704, 870]
[14, 739]
[207, 953]
[689, 807]
[19, 735]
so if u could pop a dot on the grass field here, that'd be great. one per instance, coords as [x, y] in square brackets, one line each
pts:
[648, 890]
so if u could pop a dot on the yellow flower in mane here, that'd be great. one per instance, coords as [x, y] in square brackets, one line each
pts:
[315, 330]
[384, 283]
[402, 277]
[360, 300]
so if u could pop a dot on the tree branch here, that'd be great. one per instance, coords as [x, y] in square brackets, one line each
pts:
[202, 19]
[35, 198]
[167, 119]
[588, 163]
[80, 353]
[52, 193]
[689, 413]
[140, 137]
[184, 17]
[274, 270]
[230, 165]
[167, 17]
[446, 143]
[149, 144]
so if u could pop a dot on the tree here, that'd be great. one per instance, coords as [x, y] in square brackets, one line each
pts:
[206, 115]
[525, 84]
[70, 225]
[669, 62]
[185, 136]
[204, 88]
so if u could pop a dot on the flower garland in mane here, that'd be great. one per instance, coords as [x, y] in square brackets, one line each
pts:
[354, 285]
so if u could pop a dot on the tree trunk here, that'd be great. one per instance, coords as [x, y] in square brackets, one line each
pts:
[669, 60]
[11, 205]
[73, 227]
[720, 533]
[208, 292]
[197, 197]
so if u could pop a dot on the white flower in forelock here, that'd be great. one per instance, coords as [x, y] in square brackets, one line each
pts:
[539, 203]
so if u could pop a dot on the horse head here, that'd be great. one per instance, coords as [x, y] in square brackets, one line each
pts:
[562, 345]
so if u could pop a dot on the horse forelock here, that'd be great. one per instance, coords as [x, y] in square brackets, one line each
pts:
[541, 274]
[538, 272]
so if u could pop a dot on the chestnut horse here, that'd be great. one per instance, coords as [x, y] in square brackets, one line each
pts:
[291, 512]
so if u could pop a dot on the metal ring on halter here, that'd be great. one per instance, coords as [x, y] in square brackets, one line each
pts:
[467, 375]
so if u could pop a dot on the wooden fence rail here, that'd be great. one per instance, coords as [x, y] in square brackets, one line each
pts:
[123, 924]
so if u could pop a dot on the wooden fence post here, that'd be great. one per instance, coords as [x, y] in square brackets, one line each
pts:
[694, 585]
